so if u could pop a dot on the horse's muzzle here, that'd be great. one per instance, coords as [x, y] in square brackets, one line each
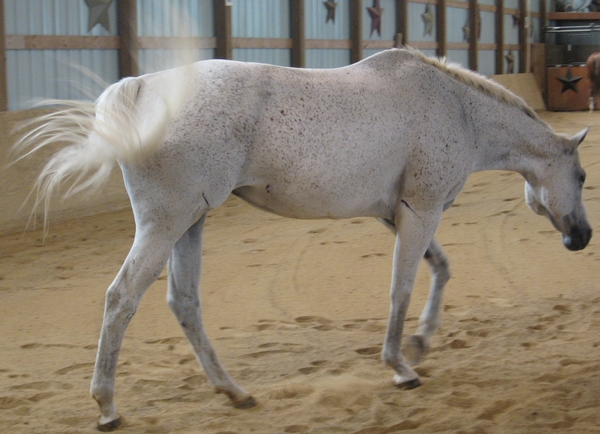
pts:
[578, 237]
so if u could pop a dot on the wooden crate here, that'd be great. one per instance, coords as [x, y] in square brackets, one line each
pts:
[570, 96]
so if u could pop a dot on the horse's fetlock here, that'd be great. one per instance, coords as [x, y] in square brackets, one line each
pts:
[100, 392]
[390, 359]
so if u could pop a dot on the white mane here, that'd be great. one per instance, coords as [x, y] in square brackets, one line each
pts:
[478, 81]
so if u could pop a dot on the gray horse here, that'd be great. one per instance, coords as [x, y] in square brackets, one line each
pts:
[394, 137]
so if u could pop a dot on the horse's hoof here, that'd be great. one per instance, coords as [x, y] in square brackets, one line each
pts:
[409, 385]
[245, 403]
[415, 349]
[109, 426]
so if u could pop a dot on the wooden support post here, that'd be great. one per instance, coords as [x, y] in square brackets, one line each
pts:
[500, 36]
[223, 29]
[402, 22]
[297, 33]
[543, 18]
[356, 30]
[523, 36]
[441, 28]
[3, 79]
[129, 53]
[473, 34]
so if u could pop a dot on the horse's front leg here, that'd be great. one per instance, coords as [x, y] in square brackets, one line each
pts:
[418, 344]
[415, 230]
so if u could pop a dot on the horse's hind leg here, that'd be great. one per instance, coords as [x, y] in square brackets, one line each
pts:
[418, 344]
[141, 268]
[183, 299]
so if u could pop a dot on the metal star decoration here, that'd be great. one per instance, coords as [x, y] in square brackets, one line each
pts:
[330, 11]
[569, 81]
[467, 27]
[98, 13]
[428, 18]
[510, 60]
[516, 19]
[375, 12]
[466, 31]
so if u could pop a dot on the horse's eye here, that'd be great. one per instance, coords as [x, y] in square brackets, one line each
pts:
[582, 178]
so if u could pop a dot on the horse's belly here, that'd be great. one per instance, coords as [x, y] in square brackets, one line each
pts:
[308, 204]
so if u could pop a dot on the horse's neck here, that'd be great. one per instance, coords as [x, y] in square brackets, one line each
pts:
[508, 139]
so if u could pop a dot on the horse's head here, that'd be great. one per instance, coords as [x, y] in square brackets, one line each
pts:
[554, 191]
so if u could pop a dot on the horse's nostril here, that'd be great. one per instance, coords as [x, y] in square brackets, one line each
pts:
[578, 239]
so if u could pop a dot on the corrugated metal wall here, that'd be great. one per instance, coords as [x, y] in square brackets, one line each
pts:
[511, 31]
[317, 28]
[181, 18]
[388, 24]
[34, 74]
[58, 73]
[416, 27]
[487, 58]
[261, 19]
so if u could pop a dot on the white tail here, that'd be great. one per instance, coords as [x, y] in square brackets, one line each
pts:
[99, 134]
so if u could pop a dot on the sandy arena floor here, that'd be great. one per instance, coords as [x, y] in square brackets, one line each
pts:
[297, 312]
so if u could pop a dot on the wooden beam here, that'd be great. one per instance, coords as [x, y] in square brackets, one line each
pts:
[175, 42]
[570, 16]
[473, 34]
[500, 36]
[356, 30]
[383, 44]
[441, 32]
[543, 17]
[263, 43]
[129, 54]
[424, 45]
[402, 22]
[223, 29]
[297, 33]
[338, 44]
[62, 42]
[3, 79]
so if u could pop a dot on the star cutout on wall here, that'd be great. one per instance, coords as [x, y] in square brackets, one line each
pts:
[569, 81]
[516, 20]
[375, 12]
[467, 27]
[466, 31]
[98, 13]
[510, 61]
[330, 10]
[428, 18]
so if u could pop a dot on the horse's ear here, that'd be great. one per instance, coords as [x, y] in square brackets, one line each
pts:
[578, 138]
